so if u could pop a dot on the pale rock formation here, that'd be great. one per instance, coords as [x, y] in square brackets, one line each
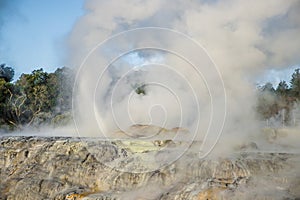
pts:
[91, 168]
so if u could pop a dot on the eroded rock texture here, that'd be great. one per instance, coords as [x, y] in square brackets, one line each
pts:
[74, 168]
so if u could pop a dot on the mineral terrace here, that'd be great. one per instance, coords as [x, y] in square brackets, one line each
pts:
[90, 168]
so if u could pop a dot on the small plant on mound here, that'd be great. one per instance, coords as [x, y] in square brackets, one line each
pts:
[140, 89]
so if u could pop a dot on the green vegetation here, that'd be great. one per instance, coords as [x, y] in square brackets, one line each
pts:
[272, 102]
[42, 98]
[35, 99]
[140, 89]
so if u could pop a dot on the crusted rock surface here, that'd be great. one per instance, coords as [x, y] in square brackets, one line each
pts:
[89, 168]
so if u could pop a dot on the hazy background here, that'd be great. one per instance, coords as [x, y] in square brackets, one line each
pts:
[246, 40]
[33, 33]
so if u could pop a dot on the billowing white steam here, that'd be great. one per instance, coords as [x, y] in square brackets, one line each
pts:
[243, 38]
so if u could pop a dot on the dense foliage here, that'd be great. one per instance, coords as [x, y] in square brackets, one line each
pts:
[35, 99]
[281, 101]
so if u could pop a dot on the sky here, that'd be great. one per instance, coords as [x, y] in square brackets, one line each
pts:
[33, 32]
[33, 35]
[274, 76]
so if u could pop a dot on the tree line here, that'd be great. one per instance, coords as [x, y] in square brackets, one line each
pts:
[42, 98]
[279, 101]
[35, 99]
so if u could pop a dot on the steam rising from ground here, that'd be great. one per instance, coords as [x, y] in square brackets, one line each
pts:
[243, 38]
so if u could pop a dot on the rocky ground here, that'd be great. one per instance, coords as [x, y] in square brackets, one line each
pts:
[90, 168]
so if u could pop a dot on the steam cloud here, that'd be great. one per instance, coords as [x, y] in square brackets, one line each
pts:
[243, 38]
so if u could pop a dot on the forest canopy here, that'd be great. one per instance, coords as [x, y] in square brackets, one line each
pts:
[35, 99]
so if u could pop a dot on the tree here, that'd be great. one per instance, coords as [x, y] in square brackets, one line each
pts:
[10, 105]
[35, 99]
[40, 95]
[7, 73]
[63, 79]
[4, 96]
[282, 88]
[267, 105]
[268, 87]
[295, 84]
[48, 95]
